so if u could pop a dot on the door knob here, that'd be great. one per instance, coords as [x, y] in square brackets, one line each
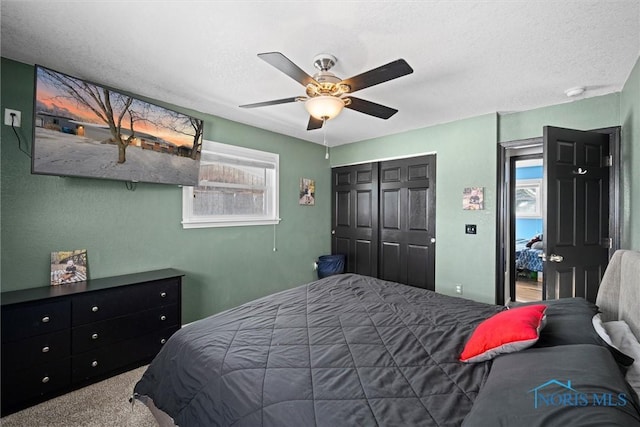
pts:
[556, 258]
[333, 231]
[433, 240]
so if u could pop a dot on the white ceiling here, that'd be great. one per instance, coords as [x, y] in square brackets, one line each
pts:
[469, 57]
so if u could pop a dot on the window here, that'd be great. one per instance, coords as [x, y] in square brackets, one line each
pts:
[236, 186]
[529, 198]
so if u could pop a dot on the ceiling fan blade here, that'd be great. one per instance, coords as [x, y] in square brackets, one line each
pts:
[285, 65]
[371, 108]
[314, 123]
[267, 103]
[382, 74]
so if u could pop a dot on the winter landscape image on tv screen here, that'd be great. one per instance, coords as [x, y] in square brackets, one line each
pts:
[86, 130]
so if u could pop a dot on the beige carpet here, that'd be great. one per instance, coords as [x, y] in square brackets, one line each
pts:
[99, 405]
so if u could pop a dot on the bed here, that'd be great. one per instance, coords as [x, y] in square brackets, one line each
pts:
[352, 350]
[528, 258]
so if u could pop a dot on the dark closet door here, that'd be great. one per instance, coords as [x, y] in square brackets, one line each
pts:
[355, 217]
[384, 219]
[576, 232]
[407, 221]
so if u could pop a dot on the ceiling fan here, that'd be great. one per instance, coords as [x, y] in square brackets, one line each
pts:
[327, 94]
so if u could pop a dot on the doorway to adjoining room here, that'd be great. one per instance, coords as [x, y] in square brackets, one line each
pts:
[529, 226]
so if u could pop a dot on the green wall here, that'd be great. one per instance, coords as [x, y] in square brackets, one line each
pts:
[133, 231]
[590, 113]
[466, 153]
[130, 231]
[465, 157]
[630, 119]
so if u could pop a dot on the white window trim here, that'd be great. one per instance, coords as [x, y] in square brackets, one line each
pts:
[531, 183]
[191, 221]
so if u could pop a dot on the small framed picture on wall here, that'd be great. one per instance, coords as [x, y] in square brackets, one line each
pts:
[307, 192]
[473, 198]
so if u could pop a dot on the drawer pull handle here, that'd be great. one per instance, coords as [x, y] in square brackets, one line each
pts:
[94, 363]
[94, 308]
[45, 380]
[45, 349]
[163, 340]
[94, 336]
[163, 294]
[163, 317]
[45, 319]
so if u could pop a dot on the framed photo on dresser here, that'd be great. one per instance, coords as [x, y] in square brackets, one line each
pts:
[68, 266]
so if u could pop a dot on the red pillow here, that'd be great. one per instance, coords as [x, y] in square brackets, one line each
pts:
[505, 332]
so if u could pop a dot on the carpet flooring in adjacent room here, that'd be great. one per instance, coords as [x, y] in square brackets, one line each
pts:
[99, 405]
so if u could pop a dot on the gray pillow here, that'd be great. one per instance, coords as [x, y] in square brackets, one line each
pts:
[570, 321]
[569, 385]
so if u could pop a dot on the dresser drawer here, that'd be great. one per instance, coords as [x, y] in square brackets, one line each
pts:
[138, 350]
[23, 321]
[95, 335]
[101, 305]
[36, 350]
[20, 386]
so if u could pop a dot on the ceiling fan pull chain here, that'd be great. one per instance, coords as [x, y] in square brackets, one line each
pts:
[324, 133]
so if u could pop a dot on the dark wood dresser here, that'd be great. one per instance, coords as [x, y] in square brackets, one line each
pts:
[59, 338]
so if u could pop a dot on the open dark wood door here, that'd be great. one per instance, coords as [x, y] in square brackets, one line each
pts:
[576, 231]
[355, 217]
[407, 221]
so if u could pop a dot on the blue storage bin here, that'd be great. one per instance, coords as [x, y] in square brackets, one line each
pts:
[328, 265]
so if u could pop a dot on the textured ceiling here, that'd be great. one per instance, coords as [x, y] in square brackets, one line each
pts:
[469, 57]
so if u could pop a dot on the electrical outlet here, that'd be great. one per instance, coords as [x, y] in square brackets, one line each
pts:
[459, 289]
[470, 229]
[16, 119]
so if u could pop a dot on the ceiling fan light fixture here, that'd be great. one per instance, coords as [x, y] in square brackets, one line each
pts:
[324, 107]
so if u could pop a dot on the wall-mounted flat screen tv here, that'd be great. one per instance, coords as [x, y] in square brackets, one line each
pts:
[82, 129]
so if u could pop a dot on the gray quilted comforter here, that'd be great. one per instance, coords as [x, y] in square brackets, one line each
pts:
[346, 350]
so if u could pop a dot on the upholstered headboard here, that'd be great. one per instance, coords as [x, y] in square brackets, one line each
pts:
[619, 292]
